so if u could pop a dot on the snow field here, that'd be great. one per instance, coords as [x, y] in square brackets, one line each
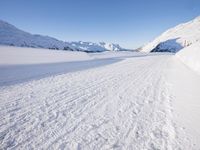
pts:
[109, 100]
[113, 106]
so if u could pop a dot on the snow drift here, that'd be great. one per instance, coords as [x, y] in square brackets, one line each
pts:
[191, 56]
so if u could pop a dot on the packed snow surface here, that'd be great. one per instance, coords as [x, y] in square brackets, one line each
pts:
[108, 100]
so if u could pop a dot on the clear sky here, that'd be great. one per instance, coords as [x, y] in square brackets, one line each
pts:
[131, 23]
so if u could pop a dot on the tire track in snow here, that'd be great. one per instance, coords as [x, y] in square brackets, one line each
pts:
[121, 105]
[112, 85]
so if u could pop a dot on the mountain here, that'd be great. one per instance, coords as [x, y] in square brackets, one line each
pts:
[101, 46]
[176, 38]
[10, 35]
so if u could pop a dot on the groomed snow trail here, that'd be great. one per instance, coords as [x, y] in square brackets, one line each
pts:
[125, 105]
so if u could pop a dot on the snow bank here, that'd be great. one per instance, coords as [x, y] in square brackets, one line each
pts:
[191, 56]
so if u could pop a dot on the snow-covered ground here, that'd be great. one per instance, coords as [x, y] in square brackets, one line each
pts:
[110, 100]
[184, 84]
[191, 56]
[23, 64]
[21, 56]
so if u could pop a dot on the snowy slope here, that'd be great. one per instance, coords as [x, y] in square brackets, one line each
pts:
[176, 38]
[10, 35]
[184, 85]
[184, 40]
[191, 56]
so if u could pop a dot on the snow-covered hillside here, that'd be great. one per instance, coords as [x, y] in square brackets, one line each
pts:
[191, 56]
[10, 35]
[184, 40]
[176, 38]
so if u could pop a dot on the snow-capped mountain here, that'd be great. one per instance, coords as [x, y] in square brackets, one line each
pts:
[90, 46]
[176, 38]
[10, 35]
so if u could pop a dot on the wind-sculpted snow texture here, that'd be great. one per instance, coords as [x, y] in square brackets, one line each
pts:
[123, 105]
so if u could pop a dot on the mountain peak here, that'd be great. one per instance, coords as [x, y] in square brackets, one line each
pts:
[4, 24]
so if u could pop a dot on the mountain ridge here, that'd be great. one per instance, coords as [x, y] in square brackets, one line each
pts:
[11, 35]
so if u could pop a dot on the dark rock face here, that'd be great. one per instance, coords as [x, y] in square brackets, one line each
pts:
[171, 46]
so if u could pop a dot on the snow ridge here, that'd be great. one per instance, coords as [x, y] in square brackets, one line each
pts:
[10, 35]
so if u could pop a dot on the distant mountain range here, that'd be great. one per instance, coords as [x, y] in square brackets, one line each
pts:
[10, 35]
[176, 38]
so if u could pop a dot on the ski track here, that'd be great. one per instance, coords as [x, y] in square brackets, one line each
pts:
[125, 105]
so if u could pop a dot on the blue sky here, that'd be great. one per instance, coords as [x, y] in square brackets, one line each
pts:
[131, 23]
